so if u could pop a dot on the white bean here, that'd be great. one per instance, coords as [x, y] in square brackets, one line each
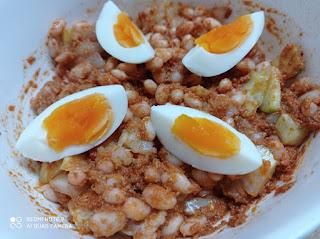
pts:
[105, 165]
[160, 28]
[77, 177]
[246, 65]
[96, 60]
[199, 10]
[64, 57]
[114, 180]
[313, 108]
[158, 41]
[57, 28]
[119, 74]
[165, 53]
[172, 226]
[184, 28]
[151, 224]
[136, 209]
[152, 174]
[176, 42]
[238, 97]
[114, 196]
[48, 193]
[149, 132]
[159, 198]
[187, 42]
[111, 64]
[162, 94]
[176, 76]
[141, 109]
[129, 69]
[173, 159]
[312, 95]
[210, 23]
[191, 101]
[202, 178]
[131, 228]
[121, 156]
[154, 64]
[224, 86]
[132, 141]
[84, 30]
[215, 177]
[86, 48]
[107, 223]
[178, 182]
[53, 47]
[80, 71]
[193, 225]
[133, 96]
[150, 86]
[278, 150]
[198, 20]
[176, 96]
[188, 12]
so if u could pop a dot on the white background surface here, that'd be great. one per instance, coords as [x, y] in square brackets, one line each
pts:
[24, 25]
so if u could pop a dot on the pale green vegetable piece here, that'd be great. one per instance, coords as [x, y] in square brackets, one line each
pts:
[290, 132]
[60, 184]
[272, 99]
[75, 162]
[255, 89]
[67, 36]
[49, 170]
[275, 61]
[80, 217]
[254, 182]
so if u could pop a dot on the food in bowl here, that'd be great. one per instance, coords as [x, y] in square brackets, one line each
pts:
[166, 170]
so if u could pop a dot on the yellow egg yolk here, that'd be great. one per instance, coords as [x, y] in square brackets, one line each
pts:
[81, 121]
[206, 137]
[126, 32]
[228, 37]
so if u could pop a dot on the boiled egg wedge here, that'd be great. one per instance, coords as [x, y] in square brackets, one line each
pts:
[74, 124]
[120, 37]
[204, 141]
[220, 49]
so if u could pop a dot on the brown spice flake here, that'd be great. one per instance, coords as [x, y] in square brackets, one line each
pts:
[274, 29]
[252, 4]
[31, 60]
[91, 10]
[284, 188]
[11, 108]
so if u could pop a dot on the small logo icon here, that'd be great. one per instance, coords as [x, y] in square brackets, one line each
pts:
[15, 222]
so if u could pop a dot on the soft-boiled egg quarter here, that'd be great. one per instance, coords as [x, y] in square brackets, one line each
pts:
[220, 49]
[120, 37]
[74, 124]
[204, 141]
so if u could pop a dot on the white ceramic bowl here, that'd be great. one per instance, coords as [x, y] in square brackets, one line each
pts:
[24, 25]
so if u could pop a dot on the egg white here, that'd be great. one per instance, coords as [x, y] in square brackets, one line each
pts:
[203, 63]
[33, 143]
[105, 35]
[247, 160]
